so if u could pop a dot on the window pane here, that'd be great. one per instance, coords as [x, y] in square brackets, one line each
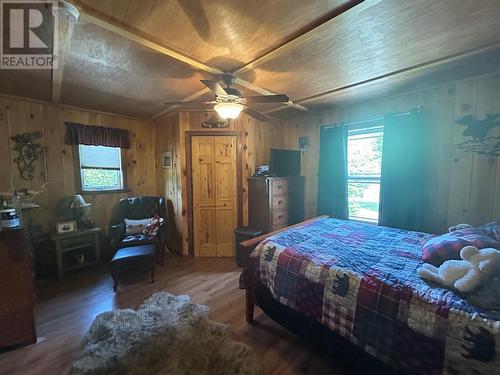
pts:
[101, 179]
[363, 200]
[100, 156]
[364, 154]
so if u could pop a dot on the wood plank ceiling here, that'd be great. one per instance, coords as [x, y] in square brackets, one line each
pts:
[129, 56]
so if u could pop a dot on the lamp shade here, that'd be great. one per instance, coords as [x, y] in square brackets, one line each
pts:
[228, 110]
[79, 202]
[74, 201]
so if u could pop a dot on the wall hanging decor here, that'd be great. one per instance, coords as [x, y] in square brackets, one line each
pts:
[215, 124]
[484, 133]
[167, 159]
[27, 153]
[304, 143]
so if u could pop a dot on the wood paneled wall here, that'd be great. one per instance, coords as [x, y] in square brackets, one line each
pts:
[145, 175]
[463, 187]
[17, 116]
[256, 141]
[287, 135]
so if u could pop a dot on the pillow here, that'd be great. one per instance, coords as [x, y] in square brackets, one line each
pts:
[153, 226]
[447, 246]
[492, 230]
[135, 226]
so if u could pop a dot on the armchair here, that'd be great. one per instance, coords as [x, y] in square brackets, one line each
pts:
[139, 208]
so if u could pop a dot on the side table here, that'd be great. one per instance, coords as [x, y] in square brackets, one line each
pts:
[76, 250]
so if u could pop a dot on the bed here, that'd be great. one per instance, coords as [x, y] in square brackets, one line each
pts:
[359, 281]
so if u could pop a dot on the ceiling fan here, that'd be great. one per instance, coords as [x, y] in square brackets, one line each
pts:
[229, 101]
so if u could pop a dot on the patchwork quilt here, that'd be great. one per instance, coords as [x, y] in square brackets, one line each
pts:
[360, 281]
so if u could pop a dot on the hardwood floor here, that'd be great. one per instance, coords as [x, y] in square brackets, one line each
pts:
[66, 309]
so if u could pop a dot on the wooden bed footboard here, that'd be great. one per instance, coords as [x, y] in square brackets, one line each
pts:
[249, 245]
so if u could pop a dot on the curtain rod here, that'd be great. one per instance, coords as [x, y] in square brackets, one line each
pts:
[378, 119]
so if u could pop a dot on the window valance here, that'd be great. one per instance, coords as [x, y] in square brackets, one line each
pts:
[92, 135]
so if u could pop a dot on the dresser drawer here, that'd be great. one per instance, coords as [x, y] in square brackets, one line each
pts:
[280, 216]
[76, 242]
[279, 187]
[279, 201]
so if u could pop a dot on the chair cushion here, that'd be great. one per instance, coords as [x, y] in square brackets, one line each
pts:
[134, 226]
[447, 246]
[137, 240]
[142, 207]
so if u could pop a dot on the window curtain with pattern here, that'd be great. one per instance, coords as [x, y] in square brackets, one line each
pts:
[92, 135]
[402, 188]
[332, 185]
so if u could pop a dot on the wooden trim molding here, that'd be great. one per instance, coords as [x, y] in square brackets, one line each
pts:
[400, 73]
[298, 36]
[126, 31]
[68, 15]
[67, 106]
[189, 178]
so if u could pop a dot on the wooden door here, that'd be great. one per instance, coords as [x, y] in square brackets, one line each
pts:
[225, 194]
[214, 194]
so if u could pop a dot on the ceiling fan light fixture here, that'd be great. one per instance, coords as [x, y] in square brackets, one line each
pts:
[228, 110]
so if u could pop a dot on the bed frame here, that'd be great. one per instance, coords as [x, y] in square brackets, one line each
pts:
[248, 246]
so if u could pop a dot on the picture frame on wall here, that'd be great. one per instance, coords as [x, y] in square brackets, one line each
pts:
[66, 227]
[304, 143]
[167, 159]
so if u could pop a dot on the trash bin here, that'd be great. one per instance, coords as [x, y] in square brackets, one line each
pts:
[242, 234]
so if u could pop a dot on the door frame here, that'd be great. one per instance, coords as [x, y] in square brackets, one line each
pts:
[189, 178]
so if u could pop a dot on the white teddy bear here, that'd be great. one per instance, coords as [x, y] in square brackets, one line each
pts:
[464, 275]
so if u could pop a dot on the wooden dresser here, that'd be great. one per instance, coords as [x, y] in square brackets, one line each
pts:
[17, 323]
[275, 202]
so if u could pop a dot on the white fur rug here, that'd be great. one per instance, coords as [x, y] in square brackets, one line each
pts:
[167, 334]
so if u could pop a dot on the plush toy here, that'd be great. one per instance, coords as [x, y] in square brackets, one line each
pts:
[458, 227]
[154, 225]
[464, 275]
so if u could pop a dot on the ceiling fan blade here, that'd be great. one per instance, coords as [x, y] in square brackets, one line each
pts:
[214, 86]
[193, 102]
[258, 115]
[278, 98]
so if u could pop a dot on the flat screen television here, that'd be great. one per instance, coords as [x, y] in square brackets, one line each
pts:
[284, 163]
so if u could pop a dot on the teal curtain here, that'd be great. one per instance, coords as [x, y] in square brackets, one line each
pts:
[332, 185]
[402, 192]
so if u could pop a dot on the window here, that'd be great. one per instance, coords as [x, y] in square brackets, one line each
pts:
[364, 161]
[100, 168]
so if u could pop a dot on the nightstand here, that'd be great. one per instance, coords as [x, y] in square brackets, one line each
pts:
[76, 250]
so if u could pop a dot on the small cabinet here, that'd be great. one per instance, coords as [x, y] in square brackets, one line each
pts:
[76, 250]
[275, 202]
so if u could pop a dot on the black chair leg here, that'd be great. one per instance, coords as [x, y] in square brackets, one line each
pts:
[153, 274]
[160, 255]
[114, 276]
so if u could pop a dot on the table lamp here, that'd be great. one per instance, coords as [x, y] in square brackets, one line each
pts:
[75, 208]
